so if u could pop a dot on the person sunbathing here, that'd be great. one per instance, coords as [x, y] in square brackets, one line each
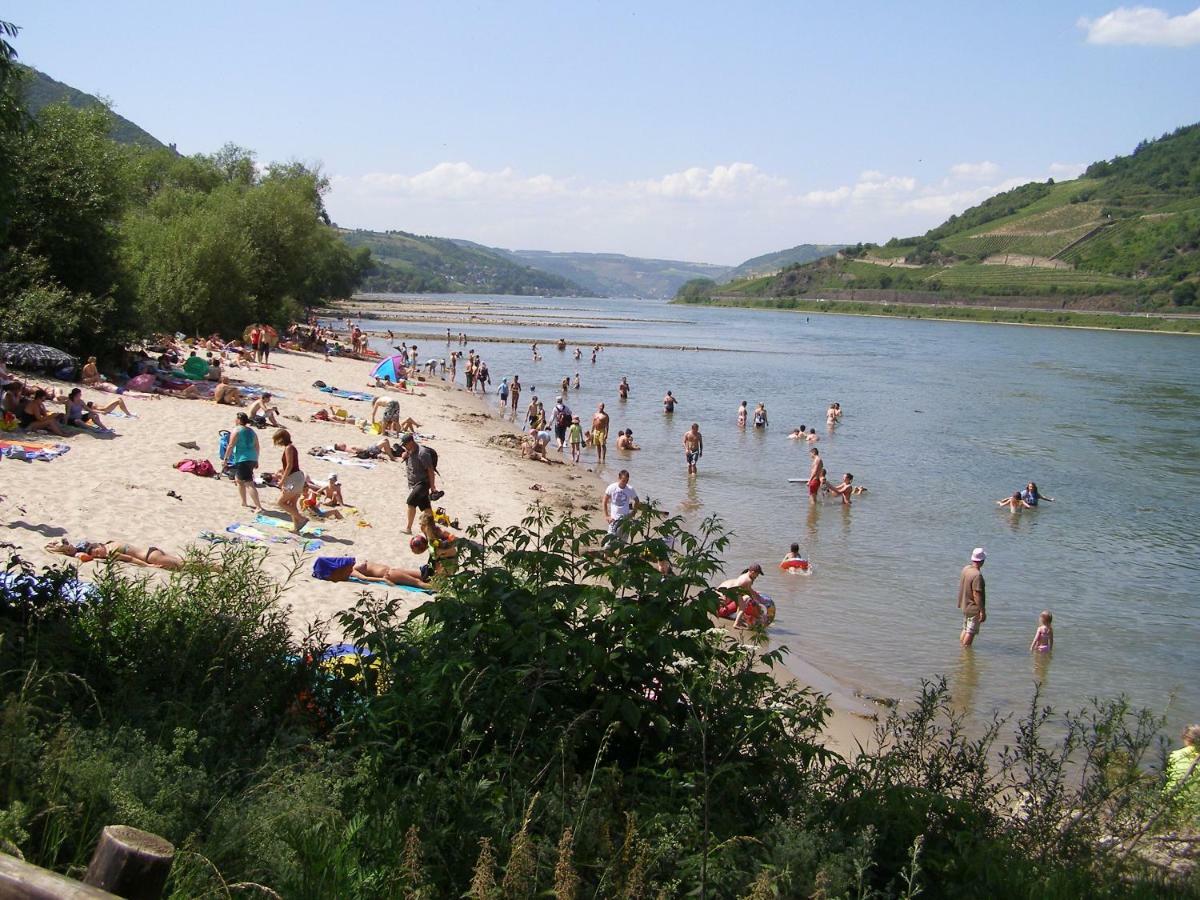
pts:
[85, 415]
[85, 551]
[226, 393]
[90, 375]
[33, 415]
[332, 492]
[373, 571]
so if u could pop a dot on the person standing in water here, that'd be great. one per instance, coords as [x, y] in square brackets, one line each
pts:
[1043, 638]
[741, 415]
[669, 402]
[972, 597]
[693, 447]
[623, 388]
[514, 391]
[816, 472]
[600, 433]
[760, 416]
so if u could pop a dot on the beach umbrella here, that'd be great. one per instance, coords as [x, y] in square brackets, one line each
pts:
[37, 357]
[391, 369]
[266, 331]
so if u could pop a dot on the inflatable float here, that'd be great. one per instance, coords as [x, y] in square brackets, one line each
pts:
[757, 612]
[794, 565]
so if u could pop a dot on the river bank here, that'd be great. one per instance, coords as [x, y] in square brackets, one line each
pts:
[998, 315]
[124, 487]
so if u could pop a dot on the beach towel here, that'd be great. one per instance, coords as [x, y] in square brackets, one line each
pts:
[22, 587]
[272, 522]
[345, 395]
[28, 452]
[400, 587]
[343, 461]
[250, 533]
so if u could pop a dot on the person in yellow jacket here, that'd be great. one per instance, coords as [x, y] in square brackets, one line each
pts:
[1183, 777]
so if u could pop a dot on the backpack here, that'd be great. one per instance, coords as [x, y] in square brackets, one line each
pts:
[562, 418]
[433, 458]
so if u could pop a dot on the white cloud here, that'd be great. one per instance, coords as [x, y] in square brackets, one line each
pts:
[1065, 171]
[727, 182]
[723, 214]
[974, 171]
[1144, 26]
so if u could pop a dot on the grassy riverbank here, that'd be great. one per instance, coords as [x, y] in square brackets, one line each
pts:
[1054, 318]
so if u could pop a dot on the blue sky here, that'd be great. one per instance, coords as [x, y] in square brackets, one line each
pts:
[701, 131]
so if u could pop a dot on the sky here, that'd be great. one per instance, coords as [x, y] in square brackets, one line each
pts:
[700, 131]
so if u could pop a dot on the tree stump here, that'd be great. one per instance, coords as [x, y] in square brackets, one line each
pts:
[130, 863]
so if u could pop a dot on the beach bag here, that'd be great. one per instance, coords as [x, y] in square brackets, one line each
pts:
[325, 567]
[201, 467]
[222, 443]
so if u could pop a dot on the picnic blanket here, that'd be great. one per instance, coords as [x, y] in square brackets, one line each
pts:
[345, 395]
[29, 451]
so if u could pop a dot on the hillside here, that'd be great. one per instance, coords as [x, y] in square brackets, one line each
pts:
[408, 262]
[1124, 236]
[39, 90]
[770, 263]
[616, 275]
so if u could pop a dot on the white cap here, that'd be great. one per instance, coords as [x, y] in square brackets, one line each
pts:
[978, 555]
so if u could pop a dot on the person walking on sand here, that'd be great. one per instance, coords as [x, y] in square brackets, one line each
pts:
[693, 447]
[422, 477]
[575, 438]
[620, 502]
[242, 455]
[972, 599]
[816, 471]
[600, 433]
[290, 479]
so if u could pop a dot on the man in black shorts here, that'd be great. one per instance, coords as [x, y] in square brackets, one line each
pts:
[422, 475]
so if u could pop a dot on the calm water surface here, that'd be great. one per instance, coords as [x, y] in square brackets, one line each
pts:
[941, 419]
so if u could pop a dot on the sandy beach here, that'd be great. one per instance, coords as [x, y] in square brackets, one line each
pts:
[119, 487]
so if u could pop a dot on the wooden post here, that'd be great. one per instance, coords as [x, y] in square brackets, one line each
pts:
[26, 881]
[130, 863]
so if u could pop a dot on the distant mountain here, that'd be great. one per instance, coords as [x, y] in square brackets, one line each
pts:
[39, 90]
[616, 275]
[1125, 235]
[770, 263]
[408, 262]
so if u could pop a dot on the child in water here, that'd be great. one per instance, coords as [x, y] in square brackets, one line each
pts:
[794, 553]
[1043, 639]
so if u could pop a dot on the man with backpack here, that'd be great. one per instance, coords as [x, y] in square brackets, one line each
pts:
[422, 476]
[562, 421]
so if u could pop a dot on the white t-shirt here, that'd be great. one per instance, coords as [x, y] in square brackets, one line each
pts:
[620, 500]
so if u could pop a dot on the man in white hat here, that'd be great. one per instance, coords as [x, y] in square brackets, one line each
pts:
[971, 597]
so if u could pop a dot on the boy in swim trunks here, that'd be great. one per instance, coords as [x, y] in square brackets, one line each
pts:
[600, 433]
[693, 447]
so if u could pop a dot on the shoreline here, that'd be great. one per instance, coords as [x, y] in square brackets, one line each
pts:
[120, 487]
[829, 308]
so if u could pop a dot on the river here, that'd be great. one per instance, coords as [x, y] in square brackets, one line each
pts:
[941, 419]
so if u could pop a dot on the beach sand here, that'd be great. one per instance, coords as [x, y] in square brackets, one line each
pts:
[118, 487]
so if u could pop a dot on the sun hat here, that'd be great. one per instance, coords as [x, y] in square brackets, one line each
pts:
[978, 555]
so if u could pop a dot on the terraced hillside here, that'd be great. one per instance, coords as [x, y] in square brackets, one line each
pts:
[1125, 235]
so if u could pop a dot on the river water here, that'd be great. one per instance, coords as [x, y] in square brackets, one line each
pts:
[941, 419]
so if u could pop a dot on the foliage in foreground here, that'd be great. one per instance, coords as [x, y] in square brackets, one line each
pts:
[558, 723]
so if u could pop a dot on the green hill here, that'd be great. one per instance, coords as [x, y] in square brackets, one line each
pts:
[39, 90]
[1124, 236]
[617, 275]
[770, 263]
[408, 262]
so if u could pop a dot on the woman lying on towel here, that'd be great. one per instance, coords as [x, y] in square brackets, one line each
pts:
[343, 568]
[86, 551]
